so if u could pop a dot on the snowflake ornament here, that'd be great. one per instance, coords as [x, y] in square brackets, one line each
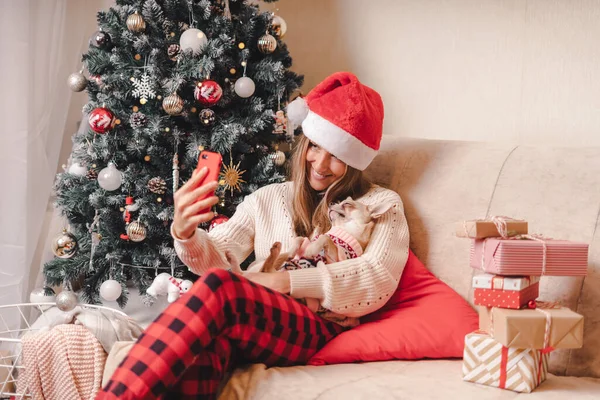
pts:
[143, 88]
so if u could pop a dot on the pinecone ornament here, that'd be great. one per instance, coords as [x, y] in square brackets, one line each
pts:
[173, 51]
[157, 185]
[137, 120]
[92, 174]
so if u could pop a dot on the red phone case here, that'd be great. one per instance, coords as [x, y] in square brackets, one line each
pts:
[212, 161]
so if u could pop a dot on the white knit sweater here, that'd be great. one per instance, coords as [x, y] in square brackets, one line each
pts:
[353, 287]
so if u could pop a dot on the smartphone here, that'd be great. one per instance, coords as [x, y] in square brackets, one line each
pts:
[212, 161]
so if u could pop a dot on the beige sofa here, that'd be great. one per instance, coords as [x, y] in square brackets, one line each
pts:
[556, 190]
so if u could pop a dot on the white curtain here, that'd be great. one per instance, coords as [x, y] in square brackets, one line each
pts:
[38, 52]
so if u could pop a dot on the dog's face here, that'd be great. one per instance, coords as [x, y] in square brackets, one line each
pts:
[356, 218]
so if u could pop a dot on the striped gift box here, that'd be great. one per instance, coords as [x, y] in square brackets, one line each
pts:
[487, 362]
[530, 257]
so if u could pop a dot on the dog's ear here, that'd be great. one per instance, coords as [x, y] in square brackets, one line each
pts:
[378, 210]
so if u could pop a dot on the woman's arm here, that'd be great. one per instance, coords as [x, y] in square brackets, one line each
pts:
[233, 239]
[361, 285]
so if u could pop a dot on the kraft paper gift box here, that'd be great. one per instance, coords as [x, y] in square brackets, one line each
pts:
[487, 362]
[480, 229]
[525, 328]
[526, 257]
[506, 292]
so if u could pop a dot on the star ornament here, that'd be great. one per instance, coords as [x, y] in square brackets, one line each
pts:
[232, 177]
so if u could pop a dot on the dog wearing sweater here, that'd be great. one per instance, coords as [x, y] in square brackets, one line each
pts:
[352, 224]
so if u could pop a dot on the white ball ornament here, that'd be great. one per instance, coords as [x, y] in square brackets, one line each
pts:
[193, 39]
[77, 169]
[244, 87]
[42, 295]
[110, 178]
[110, 290]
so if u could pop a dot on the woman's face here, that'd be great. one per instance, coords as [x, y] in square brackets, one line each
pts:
[323, 167]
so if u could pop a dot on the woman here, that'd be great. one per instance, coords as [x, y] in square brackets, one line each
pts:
[227, 319]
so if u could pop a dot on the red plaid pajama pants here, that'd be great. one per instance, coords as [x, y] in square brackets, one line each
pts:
[222, 321]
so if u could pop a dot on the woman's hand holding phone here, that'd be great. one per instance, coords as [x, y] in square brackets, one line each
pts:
[189, 212]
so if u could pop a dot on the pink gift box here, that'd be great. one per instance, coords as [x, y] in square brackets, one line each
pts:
[525, 257]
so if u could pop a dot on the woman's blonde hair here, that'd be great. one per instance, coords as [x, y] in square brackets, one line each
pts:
[310, 210]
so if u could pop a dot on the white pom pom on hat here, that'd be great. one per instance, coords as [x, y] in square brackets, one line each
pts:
[343, 116]
[297, 111]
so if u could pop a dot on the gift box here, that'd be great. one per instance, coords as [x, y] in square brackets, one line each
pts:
[480, 229]
[499, 291]
[527, 328]
[487, 362]
[530, 257]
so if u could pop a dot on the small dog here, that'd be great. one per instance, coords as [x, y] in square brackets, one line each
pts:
[352, 224]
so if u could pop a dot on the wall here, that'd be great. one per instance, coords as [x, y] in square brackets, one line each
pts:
[524, 71]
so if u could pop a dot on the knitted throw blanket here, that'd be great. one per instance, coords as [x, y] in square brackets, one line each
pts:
[63, 363]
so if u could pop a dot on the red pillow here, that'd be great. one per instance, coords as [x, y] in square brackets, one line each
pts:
[424, 318]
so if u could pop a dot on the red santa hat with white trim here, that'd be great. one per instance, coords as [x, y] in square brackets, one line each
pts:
[343, 116]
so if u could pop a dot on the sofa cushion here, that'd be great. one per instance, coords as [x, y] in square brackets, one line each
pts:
[424, 318]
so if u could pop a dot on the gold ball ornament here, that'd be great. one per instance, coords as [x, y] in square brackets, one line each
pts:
[136, 231]
[77, 82]
[241, 45]
[278, 27]
[278, 158]
[136, 23]
[64, 245]
[138, 57]
[146, 158]
[173, 104]
[267, 43]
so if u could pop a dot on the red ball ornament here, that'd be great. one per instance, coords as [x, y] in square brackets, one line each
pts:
[208, 92]
[218, 220]
[532, 304]
[101, 120]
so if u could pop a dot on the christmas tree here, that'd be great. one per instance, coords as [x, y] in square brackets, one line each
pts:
[166, 80]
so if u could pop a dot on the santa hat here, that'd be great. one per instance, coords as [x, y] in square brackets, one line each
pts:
[343, 116]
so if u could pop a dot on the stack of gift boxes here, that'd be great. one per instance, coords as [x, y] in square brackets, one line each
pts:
[517, 331]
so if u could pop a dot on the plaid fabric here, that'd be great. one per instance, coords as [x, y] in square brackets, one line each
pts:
[223, 320]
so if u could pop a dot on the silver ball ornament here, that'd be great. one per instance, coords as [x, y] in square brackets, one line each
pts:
[66, 300]
[110, 290]
[136, 231]
[244, 87]
[77, 82]
[64, 245]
